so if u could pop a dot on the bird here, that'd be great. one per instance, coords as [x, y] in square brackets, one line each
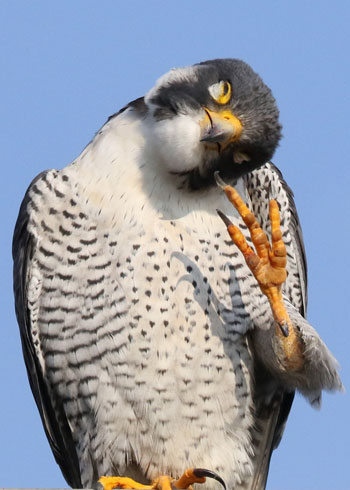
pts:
[151, 345]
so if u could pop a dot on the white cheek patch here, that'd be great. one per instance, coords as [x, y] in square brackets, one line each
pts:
[176, 142]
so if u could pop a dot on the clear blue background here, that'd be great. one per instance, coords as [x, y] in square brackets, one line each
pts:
[67, 65]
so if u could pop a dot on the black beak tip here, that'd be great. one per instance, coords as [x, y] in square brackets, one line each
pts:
[214, 135]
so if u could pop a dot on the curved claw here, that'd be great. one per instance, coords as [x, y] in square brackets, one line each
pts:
[219, 180]
[224, 218]
[203, 473]
[284, 328]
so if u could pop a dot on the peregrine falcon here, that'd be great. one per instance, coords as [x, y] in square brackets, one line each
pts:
[150, 343]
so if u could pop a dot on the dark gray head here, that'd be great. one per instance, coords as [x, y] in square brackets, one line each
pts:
[216, 115]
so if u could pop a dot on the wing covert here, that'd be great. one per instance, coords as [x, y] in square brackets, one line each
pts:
[53, 417]
[264, 184]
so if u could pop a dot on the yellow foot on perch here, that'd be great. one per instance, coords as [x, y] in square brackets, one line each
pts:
[190, 476]
[268, 266]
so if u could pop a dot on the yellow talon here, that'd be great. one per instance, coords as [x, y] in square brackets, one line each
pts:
[111, 482]
[187, 479]
[163, 482]
[268, 264]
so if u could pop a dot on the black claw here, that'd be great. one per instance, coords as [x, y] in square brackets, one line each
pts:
[284, 329]
[224, 218]
[219, 180]
[201, 472]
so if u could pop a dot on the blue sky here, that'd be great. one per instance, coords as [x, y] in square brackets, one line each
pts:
[66, 66]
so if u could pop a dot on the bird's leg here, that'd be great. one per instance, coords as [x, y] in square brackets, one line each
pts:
[268, 265]
[164, 482]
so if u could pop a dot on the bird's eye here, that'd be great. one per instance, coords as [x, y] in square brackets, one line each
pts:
[221, 92]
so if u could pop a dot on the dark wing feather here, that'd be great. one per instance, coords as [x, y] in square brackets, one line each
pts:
[52, 414]
[297, 235]
[272, 416]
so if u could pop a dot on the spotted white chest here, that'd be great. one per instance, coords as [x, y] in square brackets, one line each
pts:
[140, 328]
[139, 305]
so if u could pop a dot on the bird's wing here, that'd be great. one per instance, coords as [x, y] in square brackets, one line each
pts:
[53, 416]
[297, 247]
[267, 183]
[272, 401]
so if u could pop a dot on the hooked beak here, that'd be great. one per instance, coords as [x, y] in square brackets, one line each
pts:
[220, 127]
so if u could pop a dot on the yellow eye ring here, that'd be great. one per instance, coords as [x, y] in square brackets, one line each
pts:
[221, 92]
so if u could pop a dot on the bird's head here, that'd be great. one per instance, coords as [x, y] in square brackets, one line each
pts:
[216, 115]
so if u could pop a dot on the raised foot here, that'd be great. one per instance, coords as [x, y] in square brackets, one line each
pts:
[268, 265]
[190, 476]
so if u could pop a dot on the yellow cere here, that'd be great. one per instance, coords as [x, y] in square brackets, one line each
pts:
[221, 92]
